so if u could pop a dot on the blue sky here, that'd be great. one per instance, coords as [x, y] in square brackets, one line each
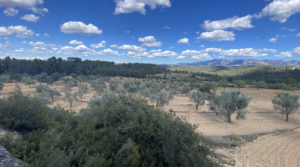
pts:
[150, 31]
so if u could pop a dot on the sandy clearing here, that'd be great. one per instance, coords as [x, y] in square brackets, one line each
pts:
[274, 150]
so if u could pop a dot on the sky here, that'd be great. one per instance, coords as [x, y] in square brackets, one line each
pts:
[150, 31]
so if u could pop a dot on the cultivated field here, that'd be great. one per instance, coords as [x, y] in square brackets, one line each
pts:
[278, 142]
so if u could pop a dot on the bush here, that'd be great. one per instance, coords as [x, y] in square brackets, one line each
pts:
[23, 114]
[122, 131]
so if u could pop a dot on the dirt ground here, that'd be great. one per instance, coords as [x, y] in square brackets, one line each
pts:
[271, 150]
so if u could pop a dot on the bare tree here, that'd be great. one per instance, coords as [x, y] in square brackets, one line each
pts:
[286, 104]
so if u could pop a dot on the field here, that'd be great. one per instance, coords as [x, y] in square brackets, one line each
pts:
[228, 70]
[275, 142]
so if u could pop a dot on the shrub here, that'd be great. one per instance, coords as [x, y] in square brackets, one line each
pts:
[23, 114]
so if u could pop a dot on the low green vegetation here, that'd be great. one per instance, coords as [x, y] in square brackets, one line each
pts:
[122, 131]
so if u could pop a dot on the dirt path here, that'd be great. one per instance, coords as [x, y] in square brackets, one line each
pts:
[274, 150]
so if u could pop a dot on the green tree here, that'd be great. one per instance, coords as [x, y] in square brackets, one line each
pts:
[98, 85]
[160, 99]
[216, 104]
[198, 98]
[28, 80]
[82, 89]
[229, 103]
[260, 84]
[240, 84]
[286, 103]
[46, 91]
[23, 114]
[223, 83]
[1, 85]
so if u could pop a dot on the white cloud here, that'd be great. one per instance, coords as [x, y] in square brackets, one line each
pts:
[77, 27]
[30, 18]
[237, 23]
[149, 41]
[194, 54]
[285, 54]
[113, 46]
[298, 35]
[281, 10]
[218, 35]
[20, 31]
[297, 50]
[289, 29]
[109, 52]
[183, 41]
[46, 35]
[10, 11]
[26, 4]
[167, 27]
[75, 42]
[131, 48]
[243, 52]
[129, 6]
[273, 40]
[99, 45]
[161, 53]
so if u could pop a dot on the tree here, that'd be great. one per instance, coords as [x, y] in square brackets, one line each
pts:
[240, 84]
[286, 104]
[28, 80]
[98, 85]
[70, 98]
[185, 89]
[82, 89]
[209, 88]
[160, 99]
[216, 104]
[113, 85]
[260, 84]
[198, 98]
[1, 85]
[223, 83]
[229, 103]
[46, 91]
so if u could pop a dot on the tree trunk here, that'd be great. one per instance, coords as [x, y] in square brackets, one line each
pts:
[287, 117]
[229, 118]
[197, 106]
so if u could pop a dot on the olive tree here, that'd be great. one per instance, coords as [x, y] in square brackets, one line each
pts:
[223, 83]
[1, 85]
[260, 84]
[113, 86]
[160, 99]
[216, 104]
[230, 102]
[70, 98]
[82, 89]
[240, 84]
[198, 98]
[46, 91]
[28, 80]
[286, 103]
[98, 85]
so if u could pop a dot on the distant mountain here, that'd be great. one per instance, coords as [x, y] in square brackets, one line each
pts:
[242, 62]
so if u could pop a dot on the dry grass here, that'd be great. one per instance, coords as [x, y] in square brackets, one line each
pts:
[268, 150]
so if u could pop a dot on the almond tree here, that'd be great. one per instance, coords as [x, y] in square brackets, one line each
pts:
[198, 98]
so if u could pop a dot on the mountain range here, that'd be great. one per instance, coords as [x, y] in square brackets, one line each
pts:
[243, 62]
